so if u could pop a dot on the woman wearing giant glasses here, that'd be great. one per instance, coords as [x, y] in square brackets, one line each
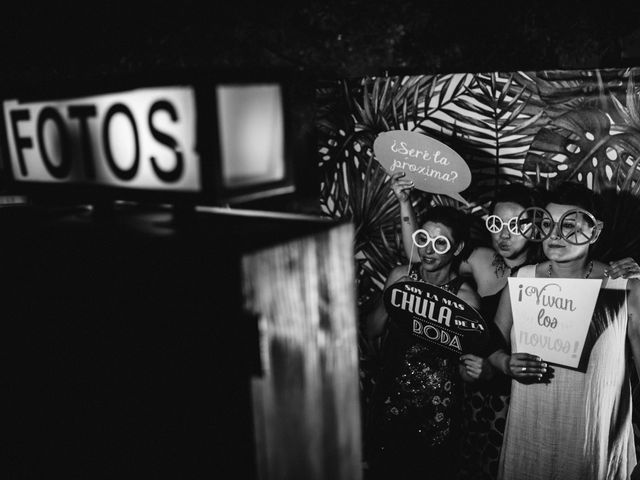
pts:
[491, 267]
[564, 423]
[415, 422]
[487, 402]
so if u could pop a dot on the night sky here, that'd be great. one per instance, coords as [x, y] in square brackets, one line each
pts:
[93, 40]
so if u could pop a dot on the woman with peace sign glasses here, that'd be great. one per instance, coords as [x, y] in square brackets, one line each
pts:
[565, 423]
[576, 226]
[490, 268]
[495, 224]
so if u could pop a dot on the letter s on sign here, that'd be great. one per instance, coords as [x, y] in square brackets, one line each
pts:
[167, 176]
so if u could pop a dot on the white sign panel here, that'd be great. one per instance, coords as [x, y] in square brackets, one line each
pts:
[143, 138]
[551, 316]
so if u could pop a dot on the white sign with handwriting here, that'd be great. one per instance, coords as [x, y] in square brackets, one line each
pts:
[551, 316]
[432, 165]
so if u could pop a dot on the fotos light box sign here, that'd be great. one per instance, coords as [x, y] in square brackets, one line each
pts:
[143, 138]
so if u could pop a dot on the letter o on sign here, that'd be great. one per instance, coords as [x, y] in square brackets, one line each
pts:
[61, 140]
[121, 173]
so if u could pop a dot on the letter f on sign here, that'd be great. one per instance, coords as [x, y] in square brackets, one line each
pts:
[20, 142]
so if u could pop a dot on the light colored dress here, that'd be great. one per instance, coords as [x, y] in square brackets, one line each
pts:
[577, 426]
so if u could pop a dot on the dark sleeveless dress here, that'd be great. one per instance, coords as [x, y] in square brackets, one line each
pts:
[416, 407]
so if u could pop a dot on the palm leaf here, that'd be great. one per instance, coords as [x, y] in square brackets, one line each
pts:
[492, 118]
[578, 146]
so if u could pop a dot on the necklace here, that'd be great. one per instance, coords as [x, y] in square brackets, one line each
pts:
[589, 268]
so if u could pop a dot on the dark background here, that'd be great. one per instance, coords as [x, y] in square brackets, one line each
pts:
[94, 40]
[98, 390]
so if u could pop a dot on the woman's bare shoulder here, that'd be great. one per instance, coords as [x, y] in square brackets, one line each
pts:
[397, 273]
[482, 257]
[469, 295]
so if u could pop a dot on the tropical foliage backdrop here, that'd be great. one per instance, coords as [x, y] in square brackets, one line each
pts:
[537, 128]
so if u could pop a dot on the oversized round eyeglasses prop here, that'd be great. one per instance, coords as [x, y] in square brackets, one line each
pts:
[432, 165]
[576, 226]
[440, 243]
[495, 224]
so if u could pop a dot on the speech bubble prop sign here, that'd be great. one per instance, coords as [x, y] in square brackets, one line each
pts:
[551, 317]
[436, 316]
[433, 166]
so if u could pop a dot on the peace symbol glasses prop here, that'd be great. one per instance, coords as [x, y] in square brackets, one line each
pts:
[440, 243]
[495, 224]
[576, 226]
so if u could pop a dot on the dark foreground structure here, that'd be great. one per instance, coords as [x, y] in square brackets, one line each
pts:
[142, 343]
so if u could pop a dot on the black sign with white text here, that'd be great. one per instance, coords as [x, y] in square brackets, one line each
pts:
[436, 316]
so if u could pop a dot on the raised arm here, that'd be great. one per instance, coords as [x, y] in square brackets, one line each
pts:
[402, 189]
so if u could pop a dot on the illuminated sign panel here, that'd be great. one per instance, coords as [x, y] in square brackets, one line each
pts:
[143, 139]
[254, 112]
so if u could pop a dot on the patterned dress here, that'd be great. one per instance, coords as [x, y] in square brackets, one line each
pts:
[577, 426]
[415, 421]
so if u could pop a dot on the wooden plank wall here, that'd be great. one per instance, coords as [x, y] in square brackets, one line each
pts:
[306, 402]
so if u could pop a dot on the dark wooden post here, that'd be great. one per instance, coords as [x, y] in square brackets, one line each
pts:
[306, 402]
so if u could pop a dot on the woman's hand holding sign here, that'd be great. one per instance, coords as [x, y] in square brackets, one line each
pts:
[523, 367]
[401, 187]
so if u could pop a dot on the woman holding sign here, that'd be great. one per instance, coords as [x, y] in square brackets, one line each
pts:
[486, 403]
[490, 268]
[572, 420]
[415, 424]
